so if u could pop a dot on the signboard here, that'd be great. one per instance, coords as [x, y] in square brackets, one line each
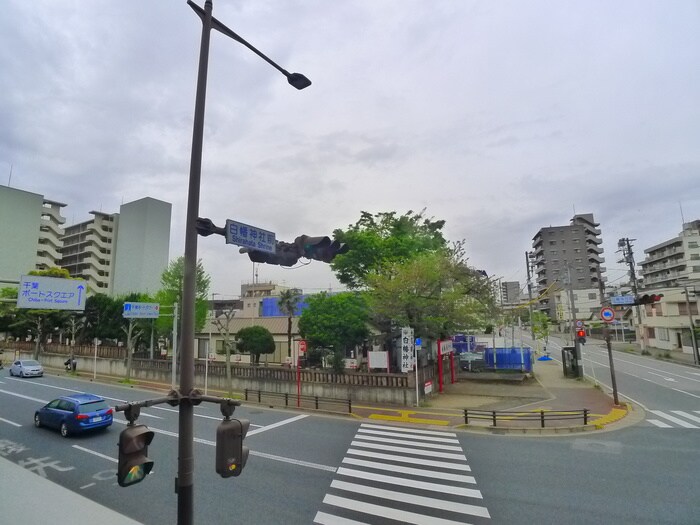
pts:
[579, 324]
[141, 310]
[51, 293]
[622, 299]
[607, 314]
[407, 342]
[250, 237]
[302, 346]
[378, 359]
[428, 387]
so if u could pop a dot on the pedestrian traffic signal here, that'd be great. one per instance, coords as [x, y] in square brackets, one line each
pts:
[134, 464]
[231, 454]
[649, 299]
[286, 254]
[320, 248]
[581, 336]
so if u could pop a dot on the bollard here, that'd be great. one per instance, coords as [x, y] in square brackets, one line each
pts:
[542, 418]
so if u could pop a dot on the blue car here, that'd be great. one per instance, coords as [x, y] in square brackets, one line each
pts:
[74, 414]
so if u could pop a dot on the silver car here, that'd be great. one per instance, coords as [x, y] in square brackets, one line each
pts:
[26, 368]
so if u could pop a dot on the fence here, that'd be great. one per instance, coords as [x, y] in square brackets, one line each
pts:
[542, 416]
[293, 400]
[513, 358]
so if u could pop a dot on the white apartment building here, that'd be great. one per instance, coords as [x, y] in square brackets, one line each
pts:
[671, 262]
[587, 305]
[30, 232]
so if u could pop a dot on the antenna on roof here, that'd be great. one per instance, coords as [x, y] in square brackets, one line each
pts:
[9, 181]
[681, 207]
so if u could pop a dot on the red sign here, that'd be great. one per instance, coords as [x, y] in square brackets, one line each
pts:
[302, 346]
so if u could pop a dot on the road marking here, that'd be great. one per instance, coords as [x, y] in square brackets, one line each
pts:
[405, 450]
[453, 448]
[665, 378]
[413, 461]
[94, 453]
[23, 396]
[10, 422]
[437, 474]
[410, 430]
[684, 392]
[686, 415]
[659, 424]
[278, 424]
[88, 485]
[675, 420]
[364, 430]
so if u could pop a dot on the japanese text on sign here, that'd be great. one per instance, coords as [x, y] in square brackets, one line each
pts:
[250, 236]
[407, 343]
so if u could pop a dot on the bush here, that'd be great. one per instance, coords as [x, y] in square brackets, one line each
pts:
[338, 362]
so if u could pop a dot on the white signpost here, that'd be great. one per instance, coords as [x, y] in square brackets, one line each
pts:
[407, 343]
[250, 237]
[51, 293]
[141, 311]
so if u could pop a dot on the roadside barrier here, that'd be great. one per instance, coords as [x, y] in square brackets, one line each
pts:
[542, 416]
[293, 400]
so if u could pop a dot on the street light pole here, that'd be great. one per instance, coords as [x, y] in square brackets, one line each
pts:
[693, 341]
[184, 482]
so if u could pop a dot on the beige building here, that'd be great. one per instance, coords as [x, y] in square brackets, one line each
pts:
[670, 262]
[31, 228]
[667, 323]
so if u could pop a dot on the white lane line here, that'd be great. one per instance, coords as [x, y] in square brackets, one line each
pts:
[400, 516]
[87, 486]
[23, 396]
[435, 474]
[412, 461]
[686, 415]
[10, 422]
[686, 393]
[659, 424]
[409, 482]
[363, 430]
[663, 376]
[453, 448]
[409, 430]
[322, 518]
[402, 497]
[278, 424]
[672, 419]
[94, 453]
[406, 450]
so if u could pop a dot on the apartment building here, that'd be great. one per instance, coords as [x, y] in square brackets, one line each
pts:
[32, 226]
[567, 257]
[509, 292]
[673, 261]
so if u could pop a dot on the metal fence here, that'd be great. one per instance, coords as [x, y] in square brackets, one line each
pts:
[299, 401]
[542, 416]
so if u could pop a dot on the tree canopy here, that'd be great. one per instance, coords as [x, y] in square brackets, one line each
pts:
[255, 340]
[339, 321]
[378, 241]
[171, 293]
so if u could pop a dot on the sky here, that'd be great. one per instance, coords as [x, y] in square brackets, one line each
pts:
[499, 117]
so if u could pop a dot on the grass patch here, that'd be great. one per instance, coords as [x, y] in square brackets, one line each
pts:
[126, 382]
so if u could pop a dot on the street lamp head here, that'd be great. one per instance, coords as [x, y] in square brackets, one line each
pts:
[298, 80]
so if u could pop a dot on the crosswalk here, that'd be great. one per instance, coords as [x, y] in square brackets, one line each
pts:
[393, 475]
[675, 419]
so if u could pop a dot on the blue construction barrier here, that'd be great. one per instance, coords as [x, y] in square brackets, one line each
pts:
[509, 359]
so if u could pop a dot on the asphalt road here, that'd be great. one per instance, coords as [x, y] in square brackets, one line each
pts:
[307, 468]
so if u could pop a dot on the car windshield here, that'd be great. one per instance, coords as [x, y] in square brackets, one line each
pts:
[30, 363]
[93, 406]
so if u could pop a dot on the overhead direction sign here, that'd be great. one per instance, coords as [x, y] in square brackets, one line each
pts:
[622, 299]
[141, 310]
[250, 237]
[51, 293]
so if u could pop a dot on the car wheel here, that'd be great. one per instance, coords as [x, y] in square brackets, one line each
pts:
[64, 430]
[37, 421]
[21, 373]
[11, 374]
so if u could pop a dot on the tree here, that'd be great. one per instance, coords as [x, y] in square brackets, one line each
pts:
[222, 320]
[103, 317]
[377, 241]
[255, 340]
[338, 321]
[541, 327]
[171, 293]
[435, 293]
[288, 302]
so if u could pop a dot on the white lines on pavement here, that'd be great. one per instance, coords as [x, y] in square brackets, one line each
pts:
[673, 419]
[453, 448]
[436, 474]
[684, 392]
[686, 415]
[405, 450]
[94, 453]
[663, 376]
[87, 486]
[410, 430]
[364, 430]
[412, 461]
[23, 396]
[10, 422]
[278, 424]
[659, 424]
[298, 462]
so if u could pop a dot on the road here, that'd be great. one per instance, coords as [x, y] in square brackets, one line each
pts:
[668, 392]
[307, 468]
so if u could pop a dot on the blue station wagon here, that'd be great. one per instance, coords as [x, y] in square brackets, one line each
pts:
[74, 414]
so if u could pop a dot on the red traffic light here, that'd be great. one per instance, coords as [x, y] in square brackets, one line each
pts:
[580, 333]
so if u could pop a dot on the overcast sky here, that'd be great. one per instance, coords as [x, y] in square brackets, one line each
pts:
[500, 117]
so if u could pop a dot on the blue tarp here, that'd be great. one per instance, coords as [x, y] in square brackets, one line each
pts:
[271, 308]
[509, 358]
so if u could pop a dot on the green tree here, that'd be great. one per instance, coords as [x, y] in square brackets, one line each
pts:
[288, 302]
[222, 320]
[103, 317]
[255, 340]
[377, 241]
[171, 293]
[436, 293]
[340, 321]
[541, 327]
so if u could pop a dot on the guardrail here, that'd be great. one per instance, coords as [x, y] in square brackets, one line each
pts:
[542, 416]
[299, 401]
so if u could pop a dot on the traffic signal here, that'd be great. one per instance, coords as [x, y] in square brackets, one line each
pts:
[581, 336]
[320, 248]
[231, 454]
[134, 464]
[649, 299]
[286, 254]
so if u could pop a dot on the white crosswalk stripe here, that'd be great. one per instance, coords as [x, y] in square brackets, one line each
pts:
[403, 475]
[675, 419]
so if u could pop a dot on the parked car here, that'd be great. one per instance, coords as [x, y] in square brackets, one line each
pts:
[26, 368]
[74, 414]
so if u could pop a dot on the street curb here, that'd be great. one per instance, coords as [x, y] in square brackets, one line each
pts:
[551, 431]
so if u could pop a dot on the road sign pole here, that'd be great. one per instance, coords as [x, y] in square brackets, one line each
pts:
[606, 336]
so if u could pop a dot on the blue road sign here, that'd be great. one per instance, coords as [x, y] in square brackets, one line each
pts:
[622, 299]
[250, 237]
[141, 310]
[51, 293]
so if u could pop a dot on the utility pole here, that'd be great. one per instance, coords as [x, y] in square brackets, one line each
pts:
[529, 293]
[628, 257]
[694, 342]
[606, 335]
[572, 325]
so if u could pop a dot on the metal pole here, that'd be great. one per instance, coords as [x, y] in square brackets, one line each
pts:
[174, 367]
[185, 469]
[415, 366]
[577, 345]
[94, 364]
[529, 294]
[606, 335]
[693, 341]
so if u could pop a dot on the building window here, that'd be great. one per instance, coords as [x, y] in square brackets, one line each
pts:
[651, 334]
[592, 295]
[552, 243]
[683, 309]
[663, 334]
